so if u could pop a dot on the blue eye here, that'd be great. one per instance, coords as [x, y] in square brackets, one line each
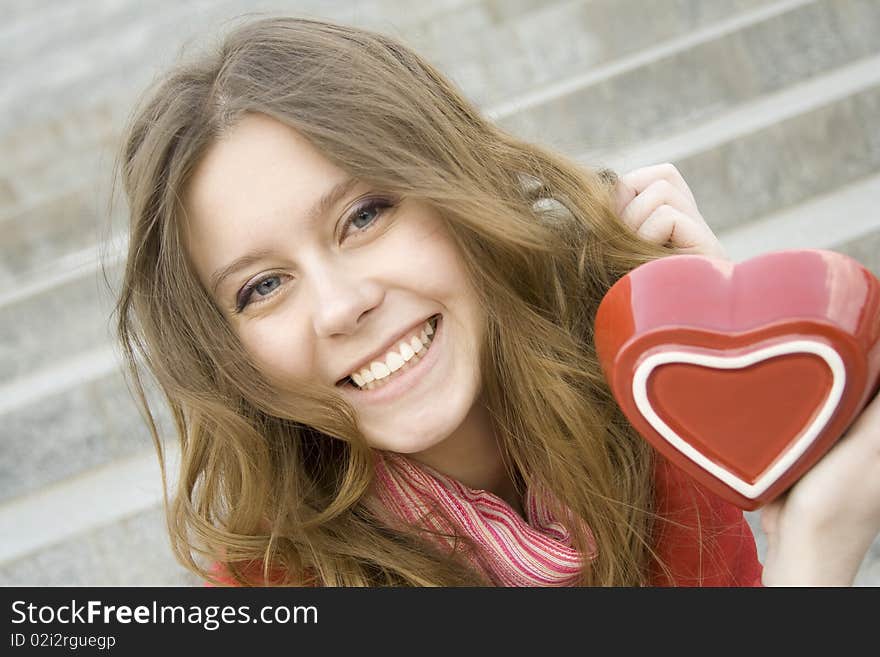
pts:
[261, 286]
[374, 207]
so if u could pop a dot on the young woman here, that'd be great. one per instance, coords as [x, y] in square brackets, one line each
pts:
[370, 312]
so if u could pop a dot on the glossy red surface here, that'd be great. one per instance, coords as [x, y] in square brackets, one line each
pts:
[743, 374]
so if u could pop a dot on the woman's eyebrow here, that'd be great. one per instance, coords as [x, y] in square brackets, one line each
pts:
[320, 208]
[239, 263]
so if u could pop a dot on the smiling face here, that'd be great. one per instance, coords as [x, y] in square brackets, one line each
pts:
[324, 292]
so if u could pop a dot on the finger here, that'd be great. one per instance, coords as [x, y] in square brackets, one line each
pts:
[868, 420]
[658, 193]
[623, 195]
[640, 179]
[668, 225]
[845, 482]
[659, 226]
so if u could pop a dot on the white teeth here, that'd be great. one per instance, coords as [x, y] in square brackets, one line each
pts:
[406, 351]
[395, 362]
[379, 370]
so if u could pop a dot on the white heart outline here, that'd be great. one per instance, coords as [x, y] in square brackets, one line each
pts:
[792, 454]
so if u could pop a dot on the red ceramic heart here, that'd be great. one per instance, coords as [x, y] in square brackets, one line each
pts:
[743, 375]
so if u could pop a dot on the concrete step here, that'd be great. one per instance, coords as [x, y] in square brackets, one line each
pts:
[131, 551]
[91, 499]
[37, 330]
[498, 62]
[518, 35]
[44, 41]
[15, 11]
[45, 322]
[80, 46]
[59, 228]
[775, 151]
[677, 85]
[69, 419]
[846, 216]
[75, 122]
[486, 35]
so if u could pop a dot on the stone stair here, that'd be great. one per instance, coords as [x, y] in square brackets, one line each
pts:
[770, 109]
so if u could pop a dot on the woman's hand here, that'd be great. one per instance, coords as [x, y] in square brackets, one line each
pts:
[819, 532]
[658, 205]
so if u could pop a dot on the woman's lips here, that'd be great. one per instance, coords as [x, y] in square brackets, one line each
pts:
[348, 381]
[401, 383]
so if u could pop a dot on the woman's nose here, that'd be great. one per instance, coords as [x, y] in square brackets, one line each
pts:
[340, 297]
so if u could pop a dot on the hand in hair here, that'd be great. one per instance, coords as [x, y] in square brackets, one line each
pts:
[819, 532]
[658, 205]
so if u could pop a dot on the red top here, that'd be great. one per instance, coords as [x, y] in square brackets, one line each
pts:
[706, 541]
[702, 539]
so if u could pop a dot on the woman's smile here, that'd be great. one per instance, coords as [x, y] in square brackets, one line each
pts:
[405, 380]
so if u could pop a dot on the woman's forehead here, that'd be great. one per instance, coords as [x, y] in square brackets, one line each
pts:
[260, 181]
[258, 159]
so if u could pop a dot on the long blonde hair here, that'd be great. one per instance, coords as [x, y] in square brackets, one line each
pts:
[275, 475]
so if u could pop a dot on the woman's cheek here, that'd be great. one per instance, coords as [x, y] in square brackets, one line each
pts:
[278, 350]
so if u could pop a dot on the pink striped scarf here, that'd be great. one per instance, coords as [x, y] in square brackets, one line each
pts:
[513, 552]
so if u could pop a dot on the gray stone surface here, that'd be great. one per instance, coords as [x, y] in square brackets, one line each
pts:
[131, 552]
[114, 43]
[793, 160]
[95, 46]
[55, 438]
[675, 92]
[38, 330]
[66, 434]
[869, 573]
[865, 249]
[556, 40]
[88, 133]
[50, 232]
